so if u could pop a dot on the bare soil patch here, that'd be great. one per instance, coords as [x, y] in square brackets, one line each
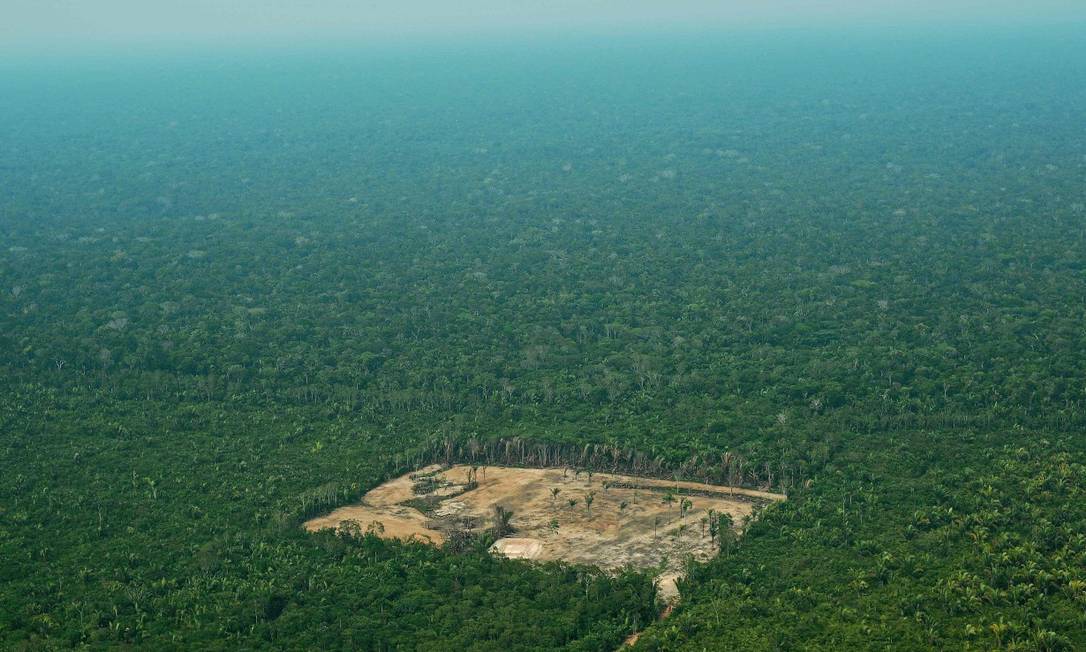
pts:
[630, 522]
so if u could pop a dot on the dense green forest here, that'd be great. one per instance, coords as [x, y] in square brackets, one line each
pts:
[238, 290]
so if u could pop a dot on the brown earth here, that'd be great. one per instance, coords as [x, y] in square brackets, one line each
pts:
[648, 533]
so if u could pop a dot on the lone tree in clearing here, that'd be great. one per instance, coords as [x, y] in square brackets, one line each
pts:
[554, 494]
[502, 518]
[669, 498]
[588, 498]
[684, 506]
[622, 507]
[573, 503]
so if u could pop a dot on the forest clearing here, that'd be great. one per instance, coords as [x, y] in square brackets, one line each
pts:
[601, 519]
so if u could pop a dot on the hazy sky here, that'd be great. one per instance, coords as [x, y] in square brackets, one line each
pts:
[46, 24]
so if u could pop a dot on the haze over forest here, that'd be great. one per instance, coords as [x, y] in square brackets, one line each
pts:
[43, 26]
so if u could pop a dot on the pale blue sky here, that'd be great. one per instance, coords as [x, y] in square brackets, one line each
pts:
[47, 24]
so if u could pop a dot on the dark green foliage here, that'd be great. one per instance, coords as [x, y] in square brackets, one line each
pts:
[985, 552]
[92, 555]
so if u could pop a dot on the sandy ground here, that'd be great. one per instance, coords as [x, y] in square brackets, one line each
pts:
[516, 548]
[383, 505]
[648, 533]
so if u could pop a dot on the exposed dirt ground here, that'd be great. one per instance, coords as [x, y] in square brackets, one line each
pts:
[629, 522]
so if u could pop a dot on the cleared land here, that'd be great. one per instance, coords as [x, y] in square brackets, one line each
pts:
[631, 520]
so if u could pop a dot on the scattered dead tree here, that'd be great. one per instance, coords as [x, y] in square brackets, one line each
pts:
[727, 468]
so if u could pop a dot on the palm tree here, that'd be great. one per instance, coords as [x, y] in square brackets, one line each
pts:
[684, 506]
[669, 498]
[724, 531]
[588, 498]
[554, 494]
